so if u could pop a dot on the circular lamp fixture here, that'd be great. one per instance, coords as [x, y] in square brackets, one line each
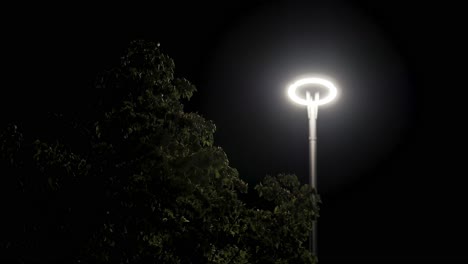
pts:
[331, 95]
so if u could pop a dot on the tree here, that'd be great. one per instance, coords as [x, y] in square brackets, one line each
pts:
[136, 179]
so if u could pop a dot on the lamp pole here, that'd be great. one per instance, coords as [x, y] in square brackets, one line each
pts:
[312, 104]
[312, 112]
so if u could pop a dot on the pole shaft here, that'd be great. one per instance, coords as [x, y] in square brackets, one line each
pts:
[312, 111]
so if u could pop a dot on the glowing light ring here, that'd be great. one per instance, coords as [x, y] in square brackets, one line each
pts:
[332, 90]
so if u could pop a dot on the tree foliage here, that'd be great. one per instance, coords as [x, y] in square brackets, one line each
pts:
[138, 179]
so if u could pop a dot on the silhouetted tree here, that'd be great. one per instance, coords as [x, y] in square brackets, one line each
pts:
[137, 180]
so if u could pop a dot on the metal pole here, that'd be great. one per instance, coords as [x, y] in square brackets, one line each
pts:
[312, 111]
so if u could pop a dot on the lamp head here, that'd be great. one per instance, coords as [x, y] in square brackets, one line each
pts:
[314, 80]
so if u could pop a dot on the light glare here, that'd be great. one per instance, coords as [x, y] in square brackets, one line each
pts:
[293, 87]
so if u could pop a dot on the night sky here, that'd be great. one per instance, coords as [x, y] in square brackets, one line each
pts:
[391, 165]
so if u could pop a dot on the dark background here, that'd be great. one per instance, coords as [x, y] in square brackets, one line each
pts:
[391, 154]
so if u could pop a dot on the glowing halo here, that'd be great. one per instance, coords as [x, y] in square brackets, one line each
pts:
[293, 87]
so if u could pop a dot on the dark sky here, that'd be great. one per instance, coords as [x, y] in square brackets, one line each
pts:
[390, 163]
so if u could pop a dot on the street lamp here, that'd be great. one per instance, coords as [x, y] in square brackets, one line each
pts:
[312, 104]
